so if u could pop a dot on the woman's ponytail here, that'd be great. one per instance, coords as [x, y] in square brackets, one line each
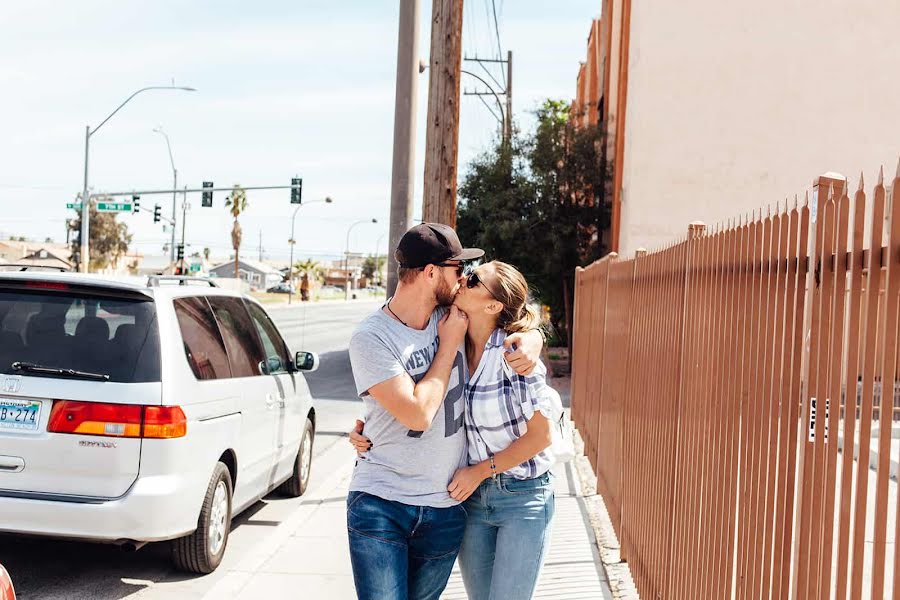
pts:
[518, 315]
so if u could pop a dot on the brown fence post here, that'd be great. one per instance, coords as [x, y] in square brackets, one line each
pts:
[695, 231]
[629, 374]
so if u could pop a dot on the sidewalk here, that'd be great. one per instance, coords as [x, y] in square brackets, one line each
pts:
[309, 554]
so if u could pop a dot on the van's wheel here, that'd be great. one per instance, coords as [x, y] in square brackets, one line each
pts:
[202, 551]
[299, 480]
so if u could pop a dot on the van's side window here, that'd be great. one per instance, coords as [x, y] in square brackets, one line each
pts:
[203, 343]
[245, 353]
[276, 351]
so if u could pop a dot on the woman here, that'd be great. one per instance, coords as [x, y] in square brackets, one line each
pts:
[507, 486]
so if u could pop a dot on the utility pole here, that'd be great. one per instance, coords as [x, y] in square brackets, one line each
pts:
[442, 136]
[503, 115]
[260, 246]
[404, 161]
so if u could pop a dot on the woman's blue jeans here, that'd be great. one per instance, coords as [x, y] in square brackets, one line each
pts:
[399, 551]
[507, 536]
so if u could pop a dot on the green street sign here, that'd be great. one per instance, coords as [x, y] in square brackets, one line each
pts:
[75, 205]
[114, 206]
[195, 267]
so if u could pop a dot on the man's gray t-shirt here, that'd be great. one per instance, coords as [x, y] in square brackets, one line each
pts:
[411, 467]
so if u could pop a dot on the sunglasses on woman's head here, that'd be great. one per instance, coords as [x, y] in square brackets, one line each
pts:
[474, 280]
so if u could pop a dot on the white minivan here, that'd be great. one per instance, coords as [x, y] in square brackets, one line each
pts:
[135, 411]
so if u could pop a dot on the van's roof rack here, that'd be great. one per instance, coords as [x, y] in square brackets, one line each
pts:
[156, 280]
[26, 266]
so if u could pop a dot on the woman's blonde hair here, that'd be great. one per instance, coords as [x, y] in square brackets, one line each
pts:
[511, 289]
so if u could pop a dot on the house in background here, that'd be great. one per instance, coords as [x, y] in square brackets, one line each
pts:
[15, 251]
[46, 258]
[259, 276]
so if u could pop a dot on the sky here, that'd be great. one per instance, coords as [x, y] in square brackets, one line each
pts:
[284, 88]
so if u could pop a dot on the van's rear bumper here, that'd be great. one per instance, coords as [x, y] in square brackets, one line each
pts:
[156, 508]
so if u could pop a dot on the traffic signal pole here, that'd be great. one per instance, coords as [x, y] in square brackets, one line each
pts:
[174, 213]
[184, 207]
[295, 187]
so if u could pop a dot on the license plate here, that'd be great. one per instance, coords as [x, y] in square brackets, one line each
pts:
[19, 415]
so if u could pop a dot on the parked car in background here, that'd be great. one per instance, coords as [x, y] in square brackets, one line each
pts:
[136, 410]
[331, 290]
[282, 288]
[7, 592]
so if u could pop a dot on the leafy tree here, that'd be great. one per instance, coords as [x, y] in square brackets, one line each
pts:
[236, 204]
[538, 204]
[108, 241]
[371, 267]
[206, 252]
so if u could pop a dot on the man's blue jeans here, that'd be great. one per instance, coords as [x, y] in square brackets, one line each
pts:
[507, 537]
[401, 552]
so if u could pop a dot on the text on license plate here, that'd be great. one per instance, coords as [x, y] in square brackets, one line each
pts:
[22, 415]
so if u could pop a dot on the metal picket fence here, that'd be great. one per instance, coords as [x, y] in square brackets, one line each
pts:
[703, 375]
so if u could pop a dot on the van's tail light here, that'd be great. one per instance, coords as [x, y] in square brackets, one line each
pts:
[164, 422]
[117, 420]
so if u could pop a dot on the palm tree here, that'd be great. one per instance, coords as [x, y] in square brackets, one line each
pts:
[236, 203]
[312, 268]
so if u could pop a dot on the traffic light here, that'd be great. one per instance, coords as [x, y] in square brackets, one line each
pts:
[206, 201]
[296, 190]
[157, 213]
[180, 252]
[135, 204]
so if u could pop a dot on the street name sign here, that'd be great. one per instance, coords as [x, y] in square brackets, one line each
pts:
[114, 206]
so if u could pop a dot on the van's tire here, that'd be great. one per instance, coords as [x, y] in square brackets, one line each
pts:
[296, 485]
[202, 551]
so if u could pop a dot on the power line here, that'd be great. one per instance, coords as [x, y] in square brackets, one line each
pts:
[497, 29]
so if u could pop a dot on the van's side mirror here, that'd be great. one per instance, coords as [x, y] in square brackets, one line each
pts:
[306, 361]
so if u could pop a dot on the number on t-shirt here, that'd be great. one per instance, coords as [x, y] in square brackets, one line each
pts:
[454, 396]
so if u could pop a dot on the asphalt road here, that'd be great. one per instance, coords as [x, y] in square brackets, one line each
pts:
[51, 569]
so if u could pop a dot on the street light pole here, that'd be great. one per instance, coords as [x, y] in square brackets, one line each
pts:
[347, 247]
[292, 242]
[85, 259]
[160, 131]
[377, 248]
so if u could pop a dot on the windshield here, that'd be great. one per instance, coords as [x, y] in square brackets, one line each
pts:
[78, 331]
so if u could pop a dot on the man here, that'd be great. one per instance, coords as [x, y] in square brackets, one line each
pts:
[409, 366]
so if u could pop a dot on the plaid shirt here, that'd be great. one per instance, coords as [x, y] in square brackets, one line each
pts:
[497, 414]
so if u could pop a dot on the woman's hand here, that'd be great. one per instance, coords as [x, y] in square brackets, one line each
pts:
[466, 481]
[359, 441]
[528, 351]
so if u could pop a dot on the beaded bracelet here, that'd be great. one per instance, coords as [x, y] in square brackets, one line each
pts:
[493, 467]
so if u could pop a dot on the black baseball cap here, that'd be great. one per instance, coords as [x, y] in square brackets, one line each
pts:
[431, 244]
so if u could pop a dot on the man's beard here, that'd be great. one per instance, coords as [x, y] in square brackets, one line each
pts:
[444, 294]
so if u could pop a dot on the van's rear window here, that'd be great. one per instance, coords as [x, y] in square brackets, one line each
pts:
[112, 336]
